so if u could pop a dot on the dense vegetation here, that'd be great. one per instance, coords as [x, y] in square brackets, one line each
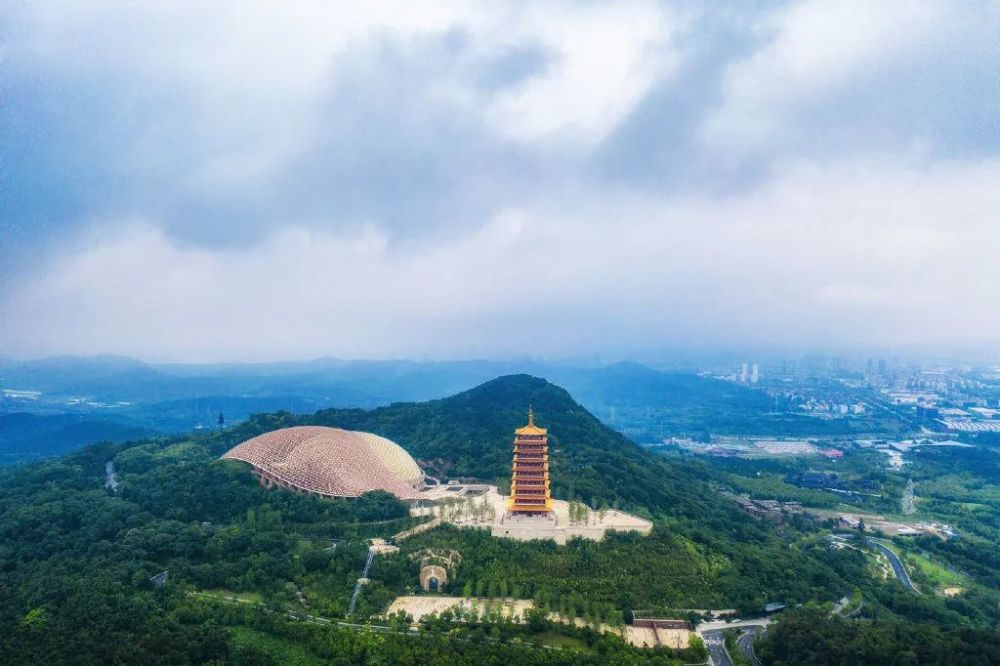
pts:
[861, 481]
[76, 559]
[954, 485]
[810, 637]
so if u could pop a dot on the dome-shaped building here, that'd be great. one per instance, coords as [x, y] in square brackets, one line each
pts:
[395, 457]
[330, 462]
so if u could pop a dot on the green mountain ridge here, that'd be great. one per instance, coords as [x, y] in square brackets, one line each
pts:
[75, 558]
[472, 433]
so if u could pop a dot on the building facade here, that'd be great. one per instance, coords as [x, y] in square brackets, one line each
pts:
[529, 486]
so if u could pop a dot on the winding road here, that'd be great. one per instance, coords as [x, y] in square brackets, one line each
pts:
[745, 643]
[897, 566]
[713, 633]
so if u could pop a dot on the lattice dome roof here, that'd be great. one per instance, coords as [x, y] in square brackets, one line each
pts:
[331, 461]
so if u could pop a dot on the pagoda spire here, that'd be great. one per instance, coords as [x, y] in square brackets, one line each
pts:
[531, 416]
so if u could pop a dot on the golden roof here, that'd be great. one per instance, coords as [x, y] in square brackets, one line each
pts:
[531, 428]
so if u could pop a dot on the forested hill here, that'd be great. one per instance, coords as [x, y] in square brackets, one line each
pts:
[470, 435]
[76, 558]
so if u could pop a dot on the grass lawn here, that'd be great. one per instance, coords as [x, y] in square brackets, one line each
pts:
[936, 573]
[282, 650]
[939, 575]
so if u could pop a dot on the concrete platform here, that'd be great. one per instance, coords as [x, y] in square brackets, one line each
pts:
[485, 508]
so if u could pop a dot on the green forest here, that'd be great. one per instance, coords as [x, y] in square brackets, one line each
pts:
[257, 576]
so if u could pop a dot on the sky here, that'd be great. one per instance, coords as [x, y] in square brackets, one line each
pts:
[192, 181]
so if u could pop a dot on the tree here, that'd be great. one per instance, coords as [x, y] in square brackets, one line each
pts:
[537, 620]
[400, 621]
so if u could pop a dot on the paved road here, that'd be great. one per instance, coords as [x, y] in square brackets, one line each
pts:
[722, 624]
[712, 634]
[716, 644]
[745, 643]
[897, 566]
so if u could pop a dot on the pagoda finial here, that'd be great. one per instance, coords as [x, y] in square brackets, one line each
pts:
[531, 416]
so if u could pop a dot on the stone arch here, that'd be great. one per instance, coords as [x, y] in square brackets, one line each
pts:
[433, 577]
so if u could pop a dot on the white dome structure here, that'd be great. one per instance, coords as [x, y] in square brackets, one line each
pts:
[330, 462]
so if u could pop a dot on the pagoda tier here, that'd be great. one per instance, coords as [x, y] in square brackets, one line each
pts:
[529, 486]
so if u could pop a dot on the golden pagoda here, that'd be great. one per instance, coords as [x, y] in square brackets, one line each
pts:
[529, 484]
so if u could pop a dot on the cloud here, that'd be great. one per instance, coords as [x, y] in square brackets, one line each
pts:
[604, 60]
[299, 112]
[835, 75]
[186, 181]
[855, 252]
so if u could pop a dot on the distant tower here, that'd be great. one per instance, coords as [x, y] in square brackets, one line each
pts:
[744, 372]
[529, 484]
[755, 374]
[883, 370]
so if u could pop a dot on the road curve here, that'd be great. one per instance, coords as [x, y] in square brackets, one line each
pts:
[745, 643]
[715, 641]
[897, 566]
[713, 635]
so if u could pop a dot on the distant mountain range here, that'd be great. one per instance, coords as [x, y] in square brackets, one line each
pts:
[25, 436]
[110, 397]
[112, 379]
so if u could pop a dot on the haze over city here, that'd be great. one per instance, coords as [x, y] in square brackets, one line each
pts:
[183, 182]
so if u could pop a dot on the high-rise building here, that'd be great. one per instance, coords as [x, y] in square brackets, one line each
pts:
[755, 374]
[883, 371]
[744, 372]
[529, 484]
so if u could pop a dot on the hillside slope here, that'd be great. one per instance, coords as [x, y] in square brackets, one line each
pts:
[717, 553]
[76, 558]
[470, 434]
